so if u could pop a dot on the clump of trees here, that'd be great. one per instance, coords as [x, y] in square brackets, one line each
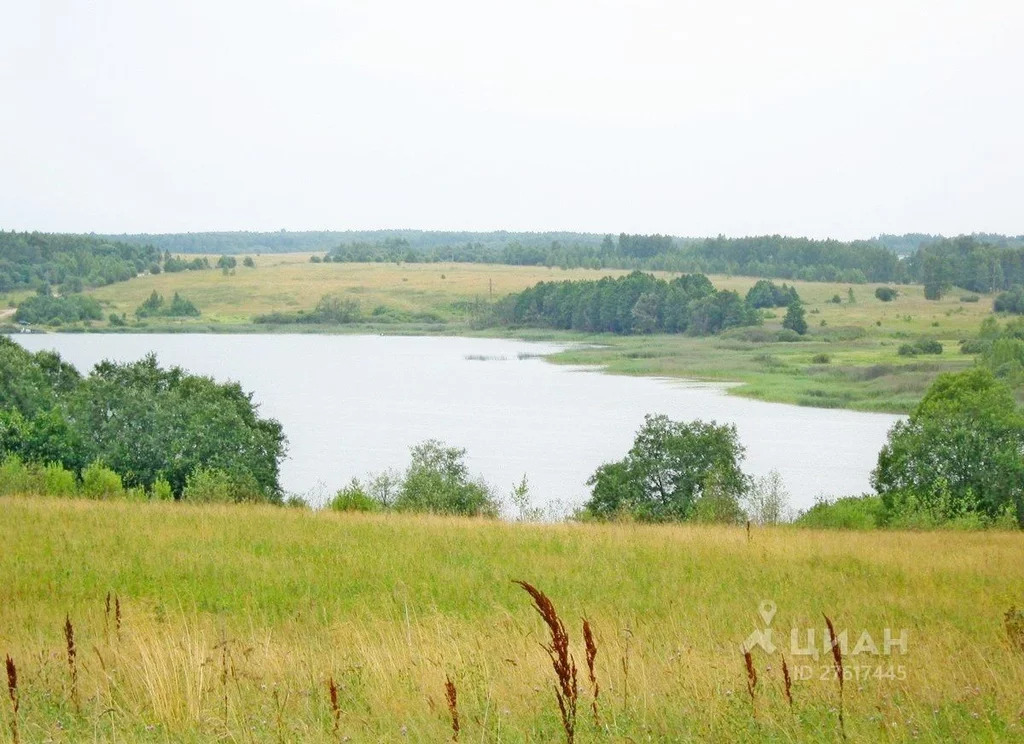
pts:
[145, 423]
[437, 481]
[45, 309]
[156, 307]
[175, 264]
[766, 293]
[636, 303]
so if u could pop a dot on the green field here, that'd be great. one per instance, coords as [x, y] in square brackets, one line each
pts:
[859, 340]
[235, 618]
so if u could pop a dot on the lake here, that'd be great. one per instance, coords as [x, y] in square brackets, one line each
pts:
[352, 405]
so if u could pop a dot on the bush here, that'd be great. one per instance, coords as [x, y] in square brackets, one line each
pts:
[969, 298]
[767, 501]
[161, 490]
[215, 486]
[353, 497]
[56, 481]
[821, 359]
[847, 513]
[100, 482]
[328, 311]
[886, 294]
[438, 481]
[208, 486]
[923, 346]
[757, 335]
[15, 477]
[1010, 302]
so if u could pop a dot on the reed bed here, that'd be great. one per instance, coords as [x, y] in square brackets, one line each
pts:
[261, 624]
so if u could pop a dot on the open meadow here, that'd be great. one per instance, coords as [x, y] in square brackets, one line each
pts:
[848, 359]
[230, 623]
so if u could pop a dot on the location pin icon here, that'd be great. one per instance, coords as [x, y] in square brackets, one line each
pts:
[767, 610]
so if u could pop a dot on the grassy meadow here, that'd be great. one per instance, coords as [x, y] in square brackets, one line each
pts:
[848, 360]
[233, 622]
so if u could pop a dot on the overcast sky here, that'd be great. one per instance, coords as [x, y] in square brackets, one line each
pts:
[818, 118]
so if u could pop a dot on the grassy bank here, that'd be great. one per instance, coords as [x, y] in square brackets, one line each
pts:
[848, 360]
[234, 619]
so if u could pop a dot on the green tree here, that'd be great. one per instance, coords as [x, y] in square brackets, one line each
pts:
[670, 466]
[960, 450]
[795, 318]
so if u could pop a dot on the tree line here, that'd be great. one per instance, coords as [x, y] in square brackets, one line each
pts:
[967, 262]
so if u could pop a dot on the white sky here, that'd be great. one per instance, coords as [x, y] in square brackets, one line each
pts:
[816, 118]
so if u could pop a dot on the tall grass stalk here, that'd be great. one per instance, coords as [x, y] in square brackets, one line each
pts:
[69, 641]
[591, 646]
[566, 688]
[452, 698]
[837, 663]
[12, 693]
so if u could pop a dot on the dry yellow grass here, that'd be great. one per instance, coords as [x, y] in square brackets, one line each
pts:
[289, 282]
[235, 619]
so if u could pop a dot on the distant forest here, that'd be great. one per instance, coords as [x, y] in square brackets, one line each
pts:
[977, 263]
[31, 260]
[73, 262]
[981, 262]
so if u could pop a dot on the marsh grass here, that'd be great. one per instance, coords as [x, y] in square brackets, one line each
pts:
[390, 604]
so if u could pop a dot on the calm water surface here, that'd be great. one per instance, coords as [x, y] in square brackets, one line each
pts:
[351, 405]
